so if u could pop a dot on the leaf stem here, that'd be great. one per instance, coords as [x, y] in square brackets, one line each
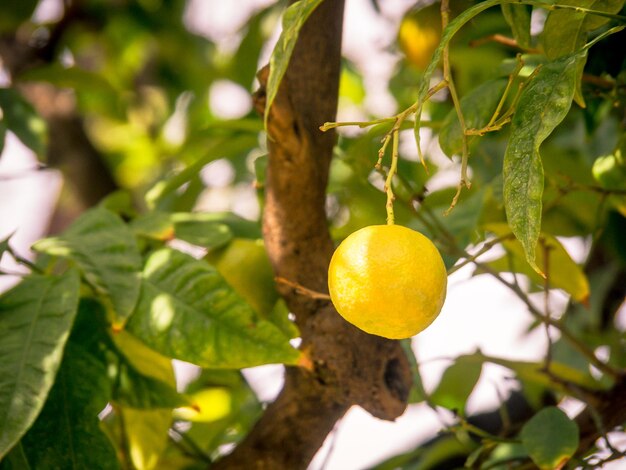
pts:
[390, 174]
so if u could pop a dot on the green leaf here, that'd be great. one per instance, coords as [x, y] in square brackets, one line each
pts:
[260, 170]
[518, 18]
[20, 118]
[478, 107]
[238, 226]
[67, 434]
[105, 250]
[155, 224]
[293, 19]
[188, 226]
[565, 31]
[35, 321]
[457, 384]
[561, 269]
[187, 311]
[551, 438]
[417, 394]
[543, 104]
[208, 234]
[610, 171]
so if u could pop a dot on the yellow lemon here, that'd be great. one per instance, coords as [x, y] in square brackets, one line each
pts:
[419, 34]
[388, 280]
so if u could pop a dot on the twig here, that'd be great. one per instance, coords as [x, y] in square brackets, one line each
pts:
[447, 76]
[302, 290]
[484, 249]
[504, 40]
[546, 248]
[449, 241]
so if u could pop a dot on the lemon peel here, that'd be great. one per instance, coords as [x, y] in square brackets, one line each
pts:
[388, 280]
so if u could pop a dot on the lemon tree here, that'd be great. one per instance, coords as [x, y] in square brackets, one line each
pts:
[506, 147]
[388, 280]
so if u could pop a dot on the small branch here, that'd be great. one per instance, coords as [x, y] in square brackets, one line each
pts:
[447, 76]
[494, 123]
[302, 290]
[504, 40]
[484, 249]
[450, 243]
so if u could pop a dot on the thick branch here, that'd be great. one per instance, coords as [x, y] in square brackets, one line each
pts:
[349, 367]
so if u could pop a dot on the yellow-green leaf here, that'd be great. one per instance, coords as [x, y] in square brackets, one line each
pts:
[146, 433]
[561, 270]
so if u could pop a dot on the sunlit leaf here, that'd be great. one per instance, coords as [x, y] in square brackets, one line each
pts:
[105, 250]
[542, 106]
[551, 438]
[293, 19]
[154, 224]
[188, 312]
[561, 270]
[138, 384]
[146, 433]
[208, 234]
[230, 391]
[35, 321]
[206, 405]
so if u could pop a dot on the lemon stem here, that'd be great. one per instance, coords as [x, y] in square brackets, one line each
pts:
[392, 171]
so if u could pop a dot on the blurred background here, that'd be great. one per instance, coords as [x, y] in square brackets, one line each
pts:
[120, 95]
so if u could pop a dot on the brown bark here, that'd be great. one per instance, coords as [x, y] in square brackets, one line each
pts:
[348, 367]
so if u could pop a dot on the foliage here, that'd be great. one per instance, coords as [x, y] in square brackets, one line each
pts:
[532, 120]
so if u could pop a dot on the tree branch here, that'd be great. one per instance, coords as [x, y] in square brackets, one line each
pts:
[350, 367]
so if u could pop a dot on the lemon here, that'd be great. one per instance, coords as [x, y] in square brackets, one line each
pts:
[419, 35]
[388, 280]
